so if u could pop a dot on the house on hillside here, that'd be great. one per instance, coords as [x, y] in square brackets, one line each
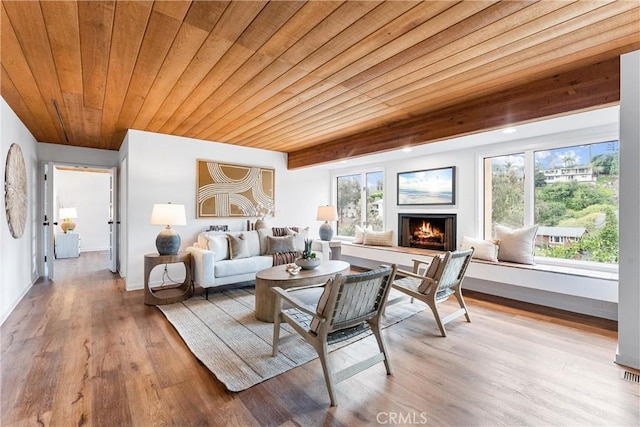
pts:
[572, 173]
[554, 236]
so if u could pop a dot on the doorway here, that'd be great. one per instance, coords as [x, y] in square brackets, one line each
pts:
[80, 201]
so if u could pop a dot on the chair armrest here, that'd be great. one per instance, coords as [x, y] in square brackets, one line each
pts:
[202, 266]
[417, 263]
[411, 274]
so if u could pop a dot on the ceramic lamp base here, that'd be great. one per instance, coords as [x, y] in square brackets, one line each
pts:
[325, 232]
[168, 242]
[68, 226]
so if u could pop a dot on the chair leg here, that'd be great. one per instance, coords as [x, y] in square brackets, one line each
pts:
[322, 354]
[436, 314]
[463, 305]
[375, 328]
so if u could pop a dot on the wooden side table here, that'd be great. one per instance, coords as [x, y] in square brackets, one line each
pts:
[172, 293]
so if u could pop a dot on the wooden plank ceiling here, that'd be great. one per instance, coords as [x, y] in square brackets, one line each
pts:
[320, 80]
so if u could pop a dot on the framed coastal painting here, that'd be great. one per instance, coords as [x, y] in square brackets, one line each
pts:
[427, 187]
[227, 190]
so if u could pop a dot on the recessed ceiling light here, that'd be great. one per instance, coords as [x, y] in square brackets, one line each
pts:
[509, 130]
[406, 150]
[343, 161]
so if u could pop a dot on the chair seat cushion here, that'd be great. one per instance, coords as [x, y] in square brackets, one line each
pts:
[408, 282]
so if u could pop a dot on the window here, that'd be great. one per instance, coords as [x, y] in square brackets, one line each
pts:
[360, 202]
[570, 192]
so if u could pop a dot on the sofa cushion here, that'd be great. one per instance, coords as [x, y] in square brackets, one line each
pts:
[253, 240]
[279, 244]
[234, 267]
[238, 246]
[516, 245]
[483, 249]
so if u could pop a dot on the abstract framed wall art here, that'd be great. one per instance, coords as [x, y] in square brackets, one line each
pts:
[427, 187]
[227, 190]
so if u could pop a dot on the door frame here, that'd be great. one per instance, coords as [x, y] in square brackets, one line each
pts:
[46, 249]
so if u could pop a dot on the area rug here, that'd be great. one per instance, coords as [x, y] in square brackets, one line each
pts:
[224, 335]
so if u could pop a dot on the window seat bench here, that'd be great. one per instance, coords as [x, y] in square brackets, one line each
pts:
[501, 278]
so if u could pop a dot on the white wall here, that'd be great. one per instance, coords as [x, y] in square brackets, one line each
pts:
[89, 193]
[162, 168]
[17, 256]
[629, 307]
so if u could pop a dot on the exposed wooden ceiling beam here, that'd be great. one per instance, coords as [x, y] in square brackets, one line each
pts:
[589, 87]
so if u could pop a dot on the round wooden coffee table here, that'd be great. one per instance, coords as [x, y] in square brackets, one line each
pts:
[278, 276]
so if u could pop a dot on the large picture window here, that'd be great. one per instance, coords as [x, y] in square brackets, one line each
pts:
[360, 199]
[571, 193]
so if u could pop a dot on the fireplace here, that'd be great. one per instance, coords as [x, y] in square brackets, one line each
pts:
[427, 231]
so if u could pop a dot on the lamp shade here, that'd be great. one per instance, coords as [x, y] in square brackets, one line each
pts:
[168, 214]
[327, 213]
[168, 241]
[65, 213]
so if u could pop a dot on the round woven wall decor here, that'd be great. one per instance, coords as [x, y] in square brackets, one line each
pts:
[15, 191]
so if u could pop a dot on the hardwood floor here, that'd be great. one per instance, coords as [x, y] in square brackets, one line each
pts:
[80, 350]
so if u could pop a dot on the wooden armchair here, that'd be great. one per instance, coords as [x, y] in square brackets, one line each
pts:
[348, 306]
[433, 283]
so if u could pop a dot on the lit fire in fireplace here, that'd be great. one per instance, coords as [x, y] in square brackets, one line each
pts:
[427, 234]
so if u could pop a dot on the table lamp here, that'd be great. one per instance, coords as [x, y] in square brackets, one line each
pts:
[168, 240]
[326, 214]
[67, 214]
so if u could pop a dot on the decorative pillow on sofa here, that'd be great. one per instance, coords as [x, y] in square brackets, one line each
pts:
[218, 244]
[378, 238]
[483, 249]
[299, 237]
[516, 245]
[279, 244]
[238, 246]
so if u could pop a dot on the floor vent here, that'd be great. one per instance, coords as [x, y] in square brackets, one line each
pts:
[630, 376]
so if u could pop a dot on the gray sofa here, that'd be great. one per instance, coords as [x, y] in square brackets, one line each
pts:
[213, 262]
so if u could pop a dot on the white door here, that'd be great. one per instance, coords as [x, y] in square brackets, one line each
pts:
[113, 220]
[49, 226]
